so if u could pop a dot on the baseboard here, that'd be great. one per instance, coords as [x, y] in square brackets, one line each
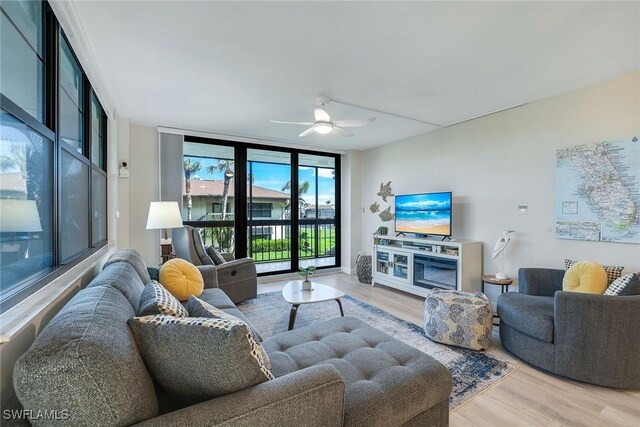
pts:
[349, 271]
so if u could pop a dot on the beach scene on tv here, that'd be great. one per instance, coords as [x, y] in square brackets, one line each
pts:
[424, 213]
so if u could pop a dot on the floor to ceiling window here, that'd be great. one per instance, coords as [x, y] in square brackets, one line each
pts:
[53, 181]
[290, 199]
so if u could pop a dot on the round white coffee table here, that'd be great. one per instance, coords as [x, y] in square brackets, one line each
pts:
[294, 295]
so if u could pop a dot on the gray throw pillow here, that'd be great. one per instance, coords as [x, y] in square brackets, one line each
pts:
[155, 299]
[215, 255]
[196, 359]
[624, 286]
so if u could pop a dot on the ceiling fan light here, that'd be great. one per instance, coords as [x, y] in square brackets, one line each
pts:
[322, 127]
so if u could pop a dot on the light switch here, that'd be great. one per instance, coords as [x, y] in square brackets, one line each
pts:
[523, 209]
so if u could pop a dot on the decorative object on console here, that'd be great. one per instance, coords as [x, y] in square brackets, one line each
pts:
[375, 207]
[498, 254]
[381, 231]
[386, 215]
[164, 215]
[385, 191]
[181, 278]
[585, 276]
[306, 272]
[626, 285]
[613, 271]
[457, 318]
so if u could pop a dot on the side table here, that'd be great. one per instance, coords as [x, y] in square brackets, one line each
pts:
[503, 283]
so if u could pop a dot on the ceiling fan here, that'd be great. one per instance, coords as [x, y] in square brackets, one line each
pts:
[323, 123]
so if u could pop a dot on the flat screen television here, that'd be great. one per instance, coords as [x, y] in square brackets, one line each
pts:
[428, 213]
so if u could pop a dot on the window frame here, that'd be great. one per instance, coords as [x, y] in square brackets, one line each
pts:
[49, 127]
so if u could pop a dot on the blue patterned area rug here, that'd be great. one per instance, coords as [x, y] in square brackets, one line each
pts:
[472, 371]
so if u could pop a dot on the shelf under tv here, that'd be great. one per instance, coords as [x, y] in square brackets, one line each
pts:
[466, 256]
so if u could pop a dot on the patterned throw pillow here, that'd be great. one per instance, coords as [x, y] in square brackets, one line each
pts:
[215, 255]
[613, 272]
[223, 355]
[155, 299]
[626, 285]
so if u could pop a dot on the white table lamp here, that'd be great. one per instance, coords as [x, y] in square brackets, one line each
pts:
[164, 215]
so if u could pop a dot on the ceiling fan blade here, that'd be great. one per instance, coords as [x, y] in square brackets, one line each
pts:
[321, 115]
[354, 123]
[340, 132]
[291, 123]
[307, 132]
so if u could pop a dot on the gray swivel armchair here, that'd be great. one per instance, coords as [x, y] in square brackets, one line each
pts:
[587, 337]
[236, 277]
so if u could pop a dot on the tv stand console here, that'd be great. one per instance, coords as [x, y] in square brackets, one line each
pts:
[417, 265]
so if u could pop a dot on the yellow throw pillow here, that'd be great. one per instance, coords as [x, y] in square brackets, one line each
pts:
[585, 276]
[181, 278]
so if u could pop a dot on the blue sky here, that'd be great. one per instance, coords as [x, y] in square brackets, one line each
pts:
[274, 176]
[423, 202]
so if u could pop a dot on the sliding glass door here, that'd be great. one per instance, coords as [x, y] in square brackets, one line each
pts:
[279, 206]
[269, 209]
[317, 212]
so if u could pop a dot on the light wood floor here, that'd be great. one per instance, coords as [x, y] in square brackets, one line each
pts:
[526, 397]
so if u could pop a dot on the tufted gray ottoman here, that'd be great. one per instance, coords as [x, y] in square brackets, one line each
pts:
[458, 318]
[388, 383]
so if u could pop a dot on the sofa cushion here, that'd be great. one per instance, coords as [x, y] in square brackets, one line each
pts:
[85, 362]
[123, 277]
[215, 256]
[155, 299]
[220, 300]
[181, 278]
[585, 276]
[132, 257]
[625, 285]
[217, 298]
[223, 356]
[387, 382]
[531, 315]
[613, 271]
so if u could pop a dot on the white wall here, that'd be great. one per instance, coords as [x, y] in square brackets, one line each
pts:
[144, 188]
[494, 163]
[351, 214]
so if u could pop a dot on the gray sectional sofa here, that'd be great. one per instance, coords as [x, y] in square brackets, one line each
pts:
[339, 372]
[587, 337]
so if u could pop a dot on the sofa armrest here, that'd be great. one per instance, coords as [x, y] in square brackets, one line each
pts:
[311, 397]
[209, 275]
[236, 263]
[598, 334]
[540, 281]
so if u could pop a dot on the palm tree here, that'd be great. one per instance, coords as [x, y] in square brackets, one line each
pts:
[189, 168]
[226, 167]
[302, 189]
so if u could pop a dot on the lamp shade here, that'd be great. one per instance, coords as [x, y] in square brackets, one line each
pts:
[19, 216]
[164, 215]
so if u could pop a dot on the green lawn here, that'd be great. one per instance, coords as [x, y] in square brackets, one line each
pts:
[326, 242]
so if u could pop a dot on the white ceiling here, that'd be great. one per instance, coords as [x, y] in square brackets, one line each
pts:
[228, 67]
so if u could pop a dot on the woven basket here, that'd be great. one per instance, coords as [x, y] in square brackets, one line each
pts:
[363, 268]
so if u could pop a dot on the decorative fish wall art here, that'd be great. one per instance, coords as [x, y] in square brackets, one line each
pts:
[386, 215]
[375, 207]
[385, 191]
